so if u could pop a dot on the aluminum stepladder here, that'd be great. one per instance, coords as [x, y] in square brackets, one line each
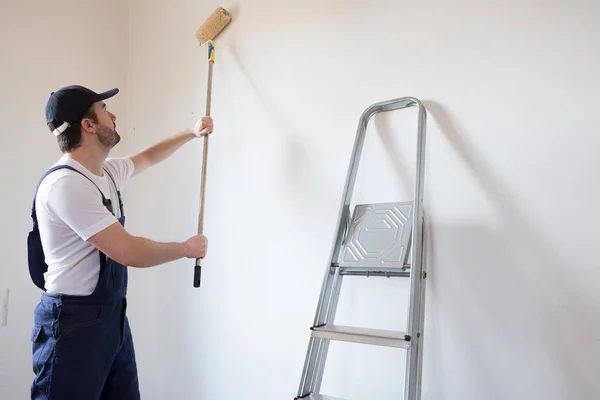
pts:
[395, 251]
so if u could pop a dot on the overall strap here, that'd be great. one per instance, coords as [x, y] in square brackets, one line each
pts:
[107, 203]
[103, 258]
[117, 190]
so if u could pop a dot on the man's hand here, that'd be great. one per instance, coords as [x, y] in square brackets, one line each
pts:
[203, 127]
[196, 246]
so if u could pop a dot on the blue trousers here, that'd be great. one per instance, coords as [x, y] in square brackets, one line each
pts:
[82, 351]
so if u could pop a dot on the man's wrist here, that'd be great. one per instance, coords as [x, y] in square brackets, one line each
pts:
[188, 133]
[182, 250]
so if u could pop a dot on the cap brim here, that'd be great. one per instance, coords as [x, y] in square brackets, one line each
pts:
[106, 95]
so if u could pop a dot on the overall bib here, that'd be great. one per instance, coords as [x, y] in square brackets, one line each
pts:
[82, 345]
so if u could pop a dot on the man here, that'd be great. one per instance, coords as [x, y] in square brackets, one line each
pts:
[79, 252]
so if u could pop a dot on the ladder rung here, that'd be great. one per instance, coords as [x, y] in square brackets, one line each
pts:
[374, 271]
[362, 335]
[371, 272]
[318, 397]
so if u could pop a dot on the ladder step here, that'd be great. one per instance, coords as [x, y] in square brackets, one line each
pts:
[362, 335]
[379, 235]
[318, 397]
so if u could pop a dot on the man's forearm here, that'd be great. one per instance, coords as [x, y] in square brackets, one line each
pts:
[165, 148]
[147, 253]
[135, 251]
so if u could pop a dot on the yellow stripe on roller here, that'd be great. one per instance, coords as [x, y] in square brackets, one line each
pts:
[211, 51]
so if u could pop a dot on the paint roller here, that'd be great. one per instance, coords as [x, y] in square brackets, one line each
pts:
[213, 25]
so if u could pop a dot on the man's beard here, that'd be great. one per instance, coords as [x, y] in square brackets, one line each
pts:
[108, 137]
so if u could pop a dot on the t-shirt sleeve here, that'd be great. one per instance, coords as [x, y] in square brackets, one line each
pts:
[121, 169]
[78, 203]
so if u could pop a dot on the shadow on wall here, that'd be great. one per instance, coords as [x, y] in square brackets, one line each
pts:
[505, 287]
[300, 169]
[297, 168]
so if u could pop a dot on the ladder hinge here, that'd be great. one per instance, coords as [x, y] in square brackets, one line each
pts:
[407, 338]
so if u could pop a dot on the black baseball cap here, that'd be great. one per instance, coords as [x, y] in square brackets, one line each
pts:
[67, 105]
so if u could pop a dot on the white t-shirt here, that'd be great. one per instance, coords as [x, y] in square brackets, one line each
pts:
[69, 211]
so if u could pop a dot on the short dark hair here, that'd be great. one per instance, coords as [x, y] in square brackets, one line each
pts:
[70, 139]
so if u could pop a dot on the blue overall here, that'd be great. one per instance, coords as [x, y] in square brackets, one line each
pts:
[82, 345]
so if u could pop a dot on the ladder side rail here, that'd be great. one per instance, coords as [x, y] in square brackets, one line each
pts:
[417, 279]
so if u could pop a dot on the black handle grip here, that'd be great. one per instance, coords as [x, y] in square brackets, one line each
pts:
[197, 274]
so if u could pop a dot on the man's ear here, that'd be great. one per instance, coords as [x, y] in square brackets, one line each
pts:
[88, 125]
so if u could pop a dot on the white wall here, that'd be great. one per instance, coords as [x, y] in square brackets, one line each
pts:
[511, 193]
[511, 189]
[43, 46]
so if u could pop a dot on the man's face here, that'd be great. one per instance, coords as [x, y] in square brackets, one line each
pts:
[106, 128]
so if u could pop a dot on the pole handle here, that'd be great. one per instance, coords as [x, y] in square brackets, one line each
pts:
[197, 274]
